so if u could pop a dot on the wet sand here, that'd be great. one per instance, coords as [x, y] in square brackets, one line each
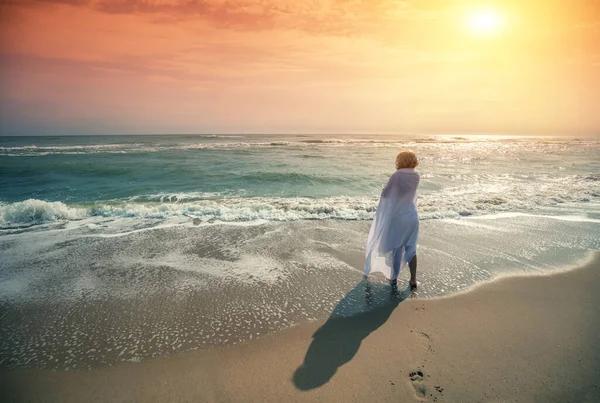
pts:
[518, 339]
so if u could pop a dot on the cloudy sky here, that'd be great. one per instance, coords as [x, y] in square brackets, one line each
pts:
[291, 66]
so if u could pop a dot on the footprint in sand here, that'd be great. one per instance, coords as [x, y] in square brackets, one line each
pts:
[416, 380]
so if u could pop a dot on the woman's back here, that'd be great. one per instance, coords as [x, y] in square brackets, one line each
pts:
[401, 190]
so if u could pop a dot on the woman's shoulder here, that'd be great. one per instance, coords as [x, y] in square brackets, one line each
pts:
[406, 171]
[406, 176]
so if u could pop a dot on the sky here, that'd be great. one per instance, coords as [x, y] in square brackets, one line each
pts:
[291, 66]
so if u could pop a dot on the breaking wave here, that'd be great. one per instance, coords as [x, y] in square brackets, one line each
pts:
[211, 207]
[33, 211]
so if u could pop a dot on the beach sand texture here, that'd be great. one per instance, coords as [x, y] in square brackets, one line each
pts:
[518, 339]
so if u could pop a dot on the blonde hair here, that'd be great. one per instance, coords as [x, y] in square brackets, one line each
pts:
[406, 159]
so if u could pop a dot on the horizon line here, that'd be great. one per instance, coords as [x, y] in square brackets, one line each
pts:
[299, 134]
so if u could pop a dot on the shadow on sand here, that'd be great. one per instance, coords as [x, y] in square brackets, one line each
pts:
[364, 309]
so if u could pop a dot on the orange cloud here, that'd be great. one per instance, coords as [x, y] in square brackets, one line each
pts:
[280, 65]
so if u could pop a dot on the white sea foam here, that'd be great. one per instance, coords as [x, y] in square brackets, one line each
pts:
[572, 218]
[479, 199]
[176, 197]
[249, 268]
[34, 211]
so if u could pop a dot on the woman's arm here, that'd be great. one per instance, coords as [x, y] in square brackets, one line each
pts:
[387, 189]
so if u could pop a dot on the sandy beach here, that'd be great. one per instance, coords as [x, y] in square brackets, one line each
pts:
[517, 339]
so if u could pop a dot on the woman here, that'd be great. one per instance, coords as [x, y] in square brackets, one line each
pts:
[393, 237]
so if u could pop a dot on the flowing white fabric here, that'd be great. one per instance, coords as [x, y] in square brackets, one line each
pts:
[393, 236]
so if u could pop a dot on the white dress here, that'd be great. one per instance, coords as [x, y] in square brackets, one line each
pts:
[393, 236]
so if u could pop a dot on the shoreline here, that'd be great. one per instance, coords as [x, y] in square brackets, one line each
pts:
[355, 260]
[531, 337]
[589, 259]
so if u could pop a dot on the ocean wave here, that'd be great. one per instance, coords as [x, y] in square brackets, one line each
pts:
[203, 207]
[176, 197]
[291, 178]
[499, 144]
[593, 177]
[71, 147]
[33, 211]
[456, 202]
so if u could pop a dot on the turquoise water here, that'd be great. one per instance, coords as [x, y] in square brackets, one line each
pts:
[84, 169]
[244, 178]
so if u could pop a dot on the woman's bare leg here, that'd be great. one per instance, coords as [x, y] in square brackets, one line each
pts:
[412, 265]
[396, 266]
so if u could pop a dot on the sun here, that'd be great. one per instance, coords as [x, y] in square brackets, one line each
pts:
[484, 22]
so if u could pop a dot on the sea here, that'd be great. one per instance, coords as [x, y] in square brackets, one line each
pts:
[124, 248]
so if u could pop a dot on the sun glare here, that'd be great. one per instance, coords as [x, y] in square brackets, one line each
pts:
[484, 22]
